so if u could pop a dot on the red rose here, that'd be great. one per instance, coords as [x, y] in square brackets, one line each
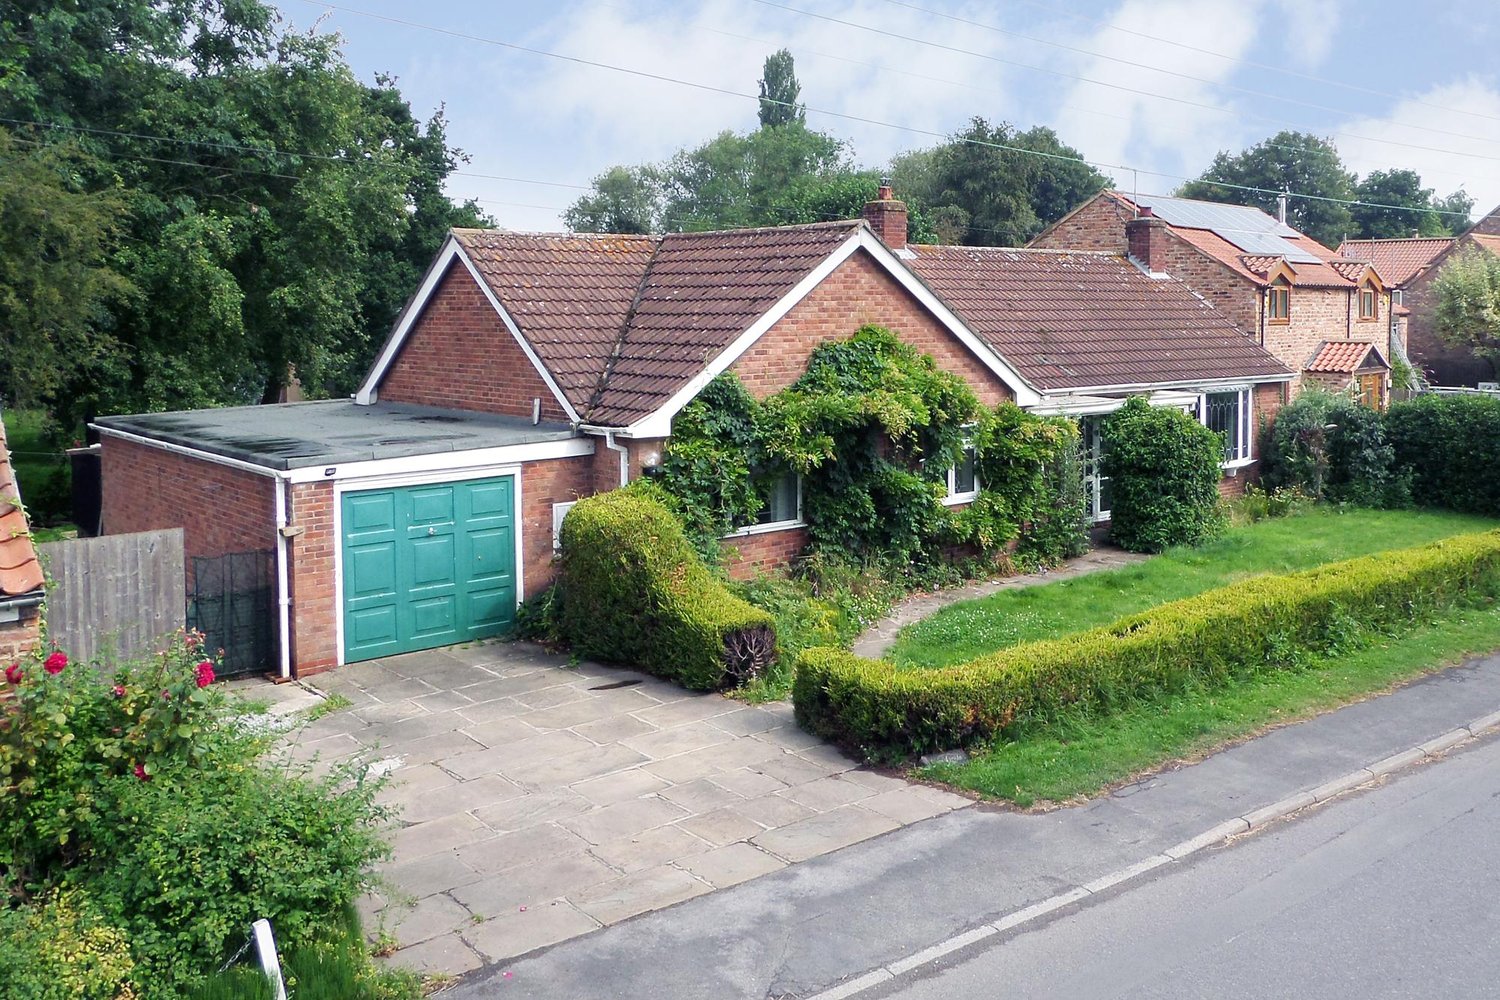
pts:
[205, 674]
[119, 690]
[55, 663]
[13, 673]
[140, 772]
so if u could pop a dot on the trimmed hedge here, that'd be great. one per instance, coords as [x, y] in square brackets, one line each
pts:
[1261, 624]
[634, 591]
[1450, 446]
[1164, 472]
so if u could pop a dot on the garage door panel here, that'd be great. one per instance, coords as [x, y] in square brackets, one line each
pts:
[433, 561]
[371, 571]
[432, 505]
[434, 617]
[370, 512]
[490, 500]
[492, 554]
[372, 629]
[492, 609]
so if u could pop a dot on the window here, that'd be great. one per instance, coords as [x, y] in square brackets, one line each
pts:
[1096, 485]
[1279, 302]
[1368, 304]
[963, 479]
[782, 497]
[1228, 414]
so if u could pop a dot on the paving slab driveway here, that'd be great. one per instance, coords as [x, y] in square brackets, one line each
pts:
[540, 801]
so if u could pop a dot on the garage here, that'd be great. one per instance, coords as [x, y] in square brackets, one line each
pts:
[427, 565]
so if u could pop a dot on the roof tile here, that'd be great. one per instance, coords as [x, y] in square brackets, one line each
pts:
[1396, 261]
[20, 573]
[1344, 357]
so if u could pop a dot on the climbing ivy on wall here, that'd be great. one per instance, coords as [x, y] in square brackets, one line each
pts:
[873, 426]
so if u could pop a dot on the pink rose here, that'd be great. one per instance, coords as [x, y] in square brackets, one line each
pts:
[205, 674]
[140, 772]
[55, 663]
[119, 690]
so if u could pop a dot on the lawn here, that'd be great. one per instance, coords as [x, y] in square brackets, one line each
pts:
[971, 628]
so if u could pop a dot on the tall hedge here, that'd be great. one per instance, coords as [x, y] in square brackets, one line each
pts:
[633, 590]
[1164, 470]
[1450, 447]
[1257, 625]
[1331, 447]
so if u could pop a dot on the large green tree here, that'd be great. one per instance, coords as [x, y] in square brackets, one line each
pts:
[779, 91]
[279, 209]
[1467, 292]
[1304, 164]
[1406, 207]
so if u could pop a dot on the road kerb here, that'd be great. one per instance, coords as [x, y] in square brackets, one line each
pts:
[1276, 810]
[855, 986]
[942, 948]
[1126, 874]
[1447, 741]
[1340, 785]
[1207, 838]
[1395, 762]
[1484, 723]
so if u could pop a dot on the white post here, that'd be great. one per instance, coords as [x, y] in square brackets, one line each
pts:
[270, 964]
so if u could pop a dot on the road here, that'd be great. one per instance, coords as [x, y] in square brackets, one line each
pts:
[1390, 892]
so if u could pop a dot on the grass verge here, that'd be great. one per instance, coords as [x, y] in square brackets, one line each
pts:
[963, 631]
[1086, 755]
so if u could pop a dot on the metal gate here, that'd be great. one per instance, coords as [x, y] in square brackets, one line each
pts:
[232, 601]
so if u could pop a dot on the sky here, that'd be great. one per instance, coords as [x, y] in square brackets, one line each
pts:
[1147, 90]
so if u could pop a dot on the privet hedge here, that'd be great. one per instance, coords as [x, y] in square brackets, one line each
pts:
[1449, 447]
[1164, 474]
[1331, 447]
[1262, 624]
[633, 590]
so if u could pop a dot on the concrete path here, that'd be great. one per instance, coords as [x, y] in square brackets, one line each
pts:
[879, 638]
[541, 801]
[815, 925]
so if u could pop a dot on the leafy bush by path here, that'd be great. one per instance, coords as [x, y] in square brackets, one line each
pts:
[1265, 623]
[1450, 448]
[634, 591]
[1164, 470]
[1332, 448]
[61, 949]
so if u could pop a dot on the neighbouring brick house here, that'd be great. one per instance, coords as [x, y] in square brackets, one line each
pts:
[1294, 295]
[529, 370]
[1409, 267]
[22, 582]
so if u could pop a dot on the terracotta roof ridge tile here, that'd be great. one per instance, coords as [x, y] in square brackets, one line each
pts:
[750, 230]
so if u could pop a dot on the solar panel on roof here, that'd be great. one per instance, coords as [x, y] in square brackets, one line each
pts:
[1250, 229]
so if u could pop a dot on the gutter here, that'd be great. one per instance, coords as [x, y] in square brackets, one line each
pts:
[612, 445]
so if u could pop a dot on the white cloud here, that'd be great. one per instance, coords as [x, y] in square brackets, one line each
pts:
[1438, 158]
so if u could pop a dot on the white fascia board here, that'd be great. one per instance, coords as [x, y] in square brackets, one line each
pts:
[450, 251]
[445, 461]
[659, 423]
[1025, 394]
[367, 393]
[1237, 381]
[194, 453]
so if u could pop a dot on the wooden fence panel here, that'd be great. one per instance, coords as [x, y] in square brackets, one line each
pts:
[118, 594]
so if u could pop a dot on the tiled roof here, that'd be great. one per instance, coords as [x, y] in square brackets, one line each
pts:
[624, 322]
[1344, 357]
[1490, 243]
[1076, 319]
[1396, 261]
[20, 573]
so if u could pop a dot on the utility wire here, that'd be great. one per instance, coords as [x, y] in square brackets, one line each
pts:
[1188, 102]
[915, 130]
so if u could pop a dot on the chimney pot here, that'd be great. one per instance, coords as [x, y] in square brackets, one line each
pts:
[1146, 239]
[1147, 212]
[887, 217]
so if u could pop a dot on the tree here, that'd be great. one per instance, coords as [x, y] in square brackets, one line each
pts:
[1297, 162]
[1415, 212]
[1467, 292]
[624, 200]
[1456, 211]
[57, 281]
[779, 91]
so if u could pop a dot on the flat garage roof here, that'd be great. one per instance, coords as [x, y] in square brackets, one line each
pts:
[286, 436]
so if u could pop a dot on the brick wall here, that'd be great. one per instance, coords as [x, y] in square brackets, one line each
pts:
[310, 568]
[1098, 225]
[858, 293]
[1442, 363]
[219, 509]
[20, 637]
[460, 355]
[751, 555]
[542, 485]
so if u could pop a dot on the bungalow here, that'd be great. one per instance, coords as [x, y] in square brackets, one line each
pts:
[1409, 267]
[1294, 295]
[529, 370]
[22, 582]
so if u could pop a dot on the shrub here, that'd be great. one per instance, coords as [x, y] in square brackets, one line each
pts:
[1257, 504]
[633, 590]
[1265, 623]
[1449, 446]
[59, 948]
[1164, 470]
[1332, 448]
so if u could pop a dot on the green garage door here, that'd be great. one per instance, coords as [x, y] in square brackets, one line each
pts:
[428, 566]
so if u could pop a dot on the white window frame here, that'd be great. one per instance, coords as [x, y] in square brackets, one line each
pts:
[761, 529]
[1246, 453]
[559, 511]
[954, 496]
[1092, 429]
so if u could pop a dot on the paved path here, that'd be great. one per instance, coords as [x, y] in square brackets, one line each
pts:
[879, 638]
[1390, 893]
[541, 801]
[814, 925]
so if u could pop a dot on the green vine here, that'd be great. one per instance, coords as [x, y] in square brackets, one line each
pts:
[873, 426]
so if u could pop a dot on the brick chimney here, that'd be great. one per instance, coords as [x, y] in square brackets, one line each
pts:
[1146, 239]
[887, 217]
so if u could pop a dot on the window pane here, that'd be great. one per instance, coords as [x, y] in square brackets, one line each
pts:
[781, 500]
[1224, 417]
[964, 479]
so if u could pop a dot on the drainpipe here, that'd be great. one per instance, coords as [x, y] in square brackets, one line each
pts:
[609, 442]
[283, 588]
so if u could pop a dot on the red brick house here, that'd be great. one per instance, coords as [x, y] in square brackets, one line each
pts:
[1409, 267]
[529, 370]
[1294, 295]
[22, 582]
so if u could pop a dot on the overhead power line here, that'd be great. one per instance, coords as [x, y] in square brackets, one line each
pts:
[844, 116]
[1185, 101]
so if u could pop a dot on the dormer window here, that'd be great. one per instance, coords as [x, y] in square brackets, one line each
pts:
[1369, 304]
[1279, 302]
